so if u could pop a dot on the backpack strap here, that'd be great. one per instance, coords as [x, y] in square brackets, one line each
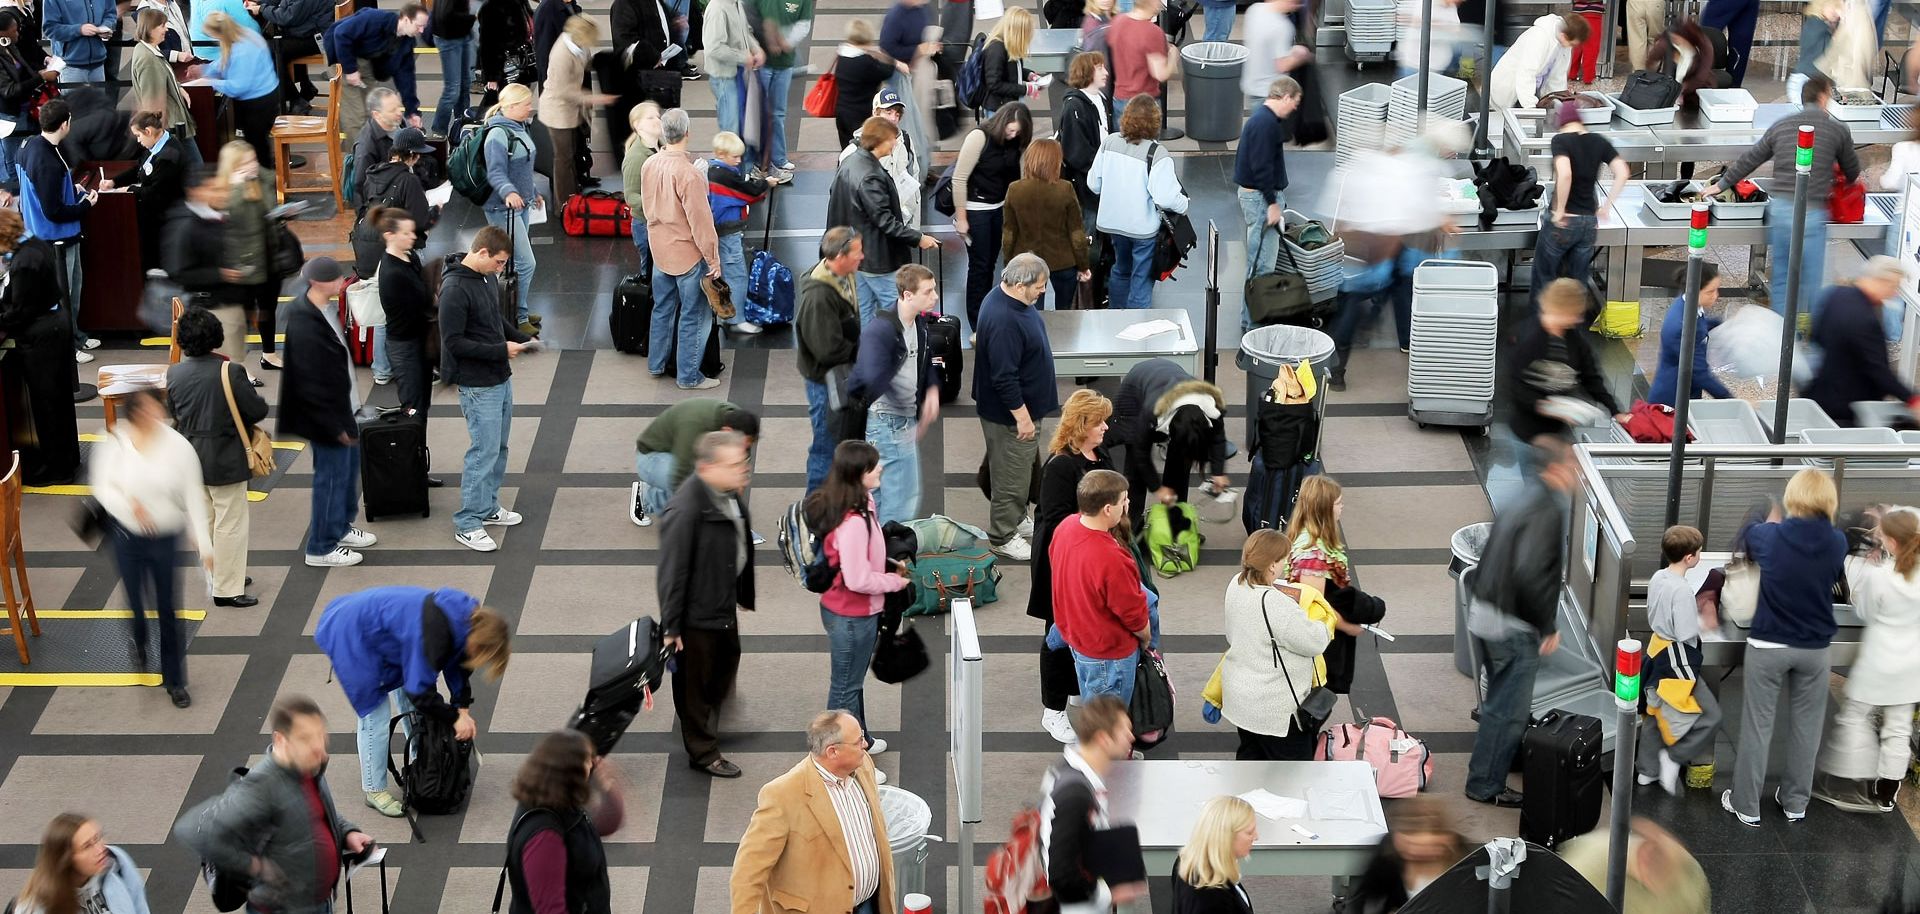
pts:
[500, 888]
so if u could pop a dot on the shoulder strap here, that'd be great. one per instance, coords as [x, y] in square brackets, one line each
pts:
[1274, 643]
[500, 888]
[226, 385]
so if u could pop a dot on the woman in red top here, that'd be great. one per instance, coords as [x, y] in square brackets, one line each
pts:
[850, 609]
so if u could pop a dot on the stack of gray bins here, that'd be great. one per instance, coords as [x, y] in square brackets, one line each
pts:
[1371, 28]
[1446, 100]
[1456, 316]
[1361, 122]
[1739, 484]
[1320, 266]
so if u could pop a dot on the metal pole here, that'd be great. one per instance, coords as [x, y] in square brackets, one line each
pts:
[1802, 168]
[1426, 55]
[1168, 132]
[1210, 353]
[1483, 68]
[1626, 701]
[1683, 395]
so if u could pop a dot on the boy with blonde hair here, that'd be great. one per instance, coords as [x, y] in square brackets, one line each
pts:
[1682, 714]
[730, 190]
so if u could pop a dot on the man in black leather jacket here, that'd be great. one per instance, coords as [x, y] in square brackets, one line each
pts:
[865, 198]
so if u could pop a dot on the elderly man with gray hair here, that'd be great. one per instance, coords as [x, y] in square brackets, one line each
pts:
[1013, 389]
[386, 112]
[685, 248]
[1850, 331]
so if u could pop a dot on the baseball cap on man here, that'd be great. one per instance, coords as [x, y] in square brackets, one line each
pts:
[888, 99]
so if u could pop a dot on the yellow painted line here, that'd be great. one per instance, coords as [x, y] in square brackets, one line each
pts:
[289, 445]
[188, 615]
[251, 337]
[55, 490]
[94, 437]
[256, 496]
[79, 679]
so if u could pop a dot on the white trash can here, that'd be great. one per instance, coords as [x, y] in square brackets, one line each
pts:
[908, 818]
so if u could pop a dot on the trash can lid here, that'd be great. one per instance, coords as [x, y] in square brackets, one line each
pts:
[1283, 343]
[907, 817]
[1215, 52]
[1470, 541]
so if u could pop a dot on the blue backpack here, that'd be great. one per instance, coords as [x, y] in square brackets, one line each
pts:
[769, 291]
[969, 88]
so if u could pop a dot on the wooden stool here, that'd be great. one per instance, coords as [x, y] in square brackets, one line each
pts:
[13, 561]
[117, 381]
[323, 132]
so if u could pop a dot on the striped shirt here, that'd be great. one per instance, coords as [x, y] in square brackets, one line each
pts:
[856, 825]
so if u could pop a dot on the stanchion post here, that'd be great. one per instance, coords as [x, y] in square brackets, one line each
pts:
[1482, 136]
[1689, 323]
[1168, 132]
[1626, 701]
[1426, 56]
[1209, 342]
[1802, 168]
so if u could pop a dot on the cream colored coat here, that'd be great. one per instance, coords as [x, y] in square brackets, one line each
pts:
[563, 103]
[793, 857]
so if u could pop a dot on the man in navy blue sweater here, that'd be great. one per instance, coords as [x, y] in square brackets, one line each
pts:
[374, 47]
[1851, 333]
[1013, 389]
[52, 205]
[1260, 170]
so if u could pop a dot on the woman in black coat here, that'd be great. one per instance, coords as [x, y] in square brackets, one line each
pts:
[1075, 451]
[1003, 78]
[43, 340]
[158, 182]
[405, 297]
[860, 69]
[506, 34]
[567, 800]
[1206, 874]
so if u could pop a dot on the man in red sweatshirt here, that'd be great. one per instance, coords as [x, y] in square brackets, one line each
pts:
[1099, 605]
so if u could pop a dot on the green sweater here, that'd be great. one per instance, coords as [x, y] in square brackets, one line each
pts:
[637, 155]
[777, 17]
[678, 431]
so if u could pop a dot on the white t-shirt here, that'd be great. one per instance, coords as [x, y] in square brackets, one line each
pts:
[1268, 36]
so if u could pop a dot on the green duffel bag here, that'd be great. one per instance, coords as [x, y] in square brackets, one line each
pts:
[939, 577]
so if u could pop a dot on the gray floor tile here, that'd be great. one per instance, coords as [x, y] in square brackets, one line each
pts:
[1376, 518]
[621, 378]
[1419, 597]
[531, 700]
[1381, 444]
[784, 363]
[584, 599]
[1016, 776]
[41, 786]
[473, 579]
[779, 693]
[51, 586]
[245, 623]
[133, 712]
[434, 531]
[712, 895]
[1375, 376]
[309, 675]
[1477, 821]
[366, 891]
[596, 519]
[603, 445]
[783, 446]
[1414, 675]
[280, 522]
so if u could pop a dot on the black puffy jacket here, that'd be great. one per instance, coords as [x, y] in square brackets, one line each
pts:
[298, 18]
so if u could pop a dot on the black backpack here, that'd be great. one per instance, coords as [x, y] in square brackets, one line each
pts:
[438, 774]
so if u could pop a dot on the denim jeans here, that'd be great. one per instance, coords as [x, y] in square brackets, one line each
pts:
[729, 99]
[1263, 240]
[640, 247]
[382, 366]
[1062, 286]
[820, 452]
[456, 68]
[1106, 677]
[372, 739]
[1219, 20]
[147, 569]
[1131, 283]
[523, 262]
[1813, 252]
[893, 435]
[775, 86]
[489, 412]
[70, 272]
[94, 74]
[1058, 642]
[336, 494]
[680, 313]
[10, 153]
[1512, 663]
[733, 267]
[656, 480]
[1563, 252]
[877, 291]
[850, 642]
[983, 259]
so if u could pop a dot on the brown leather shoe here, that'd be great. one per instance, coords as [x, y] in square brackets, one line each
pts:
[719, 296]
[720, 768]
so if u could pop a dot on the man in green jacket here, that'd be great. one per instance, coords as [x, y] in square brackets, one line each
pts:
[782, 26]
[826, 323]
[667, 449]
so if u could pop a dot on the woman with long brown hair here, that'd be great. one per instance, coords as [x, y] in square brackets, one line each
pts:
[1042, 217]
[1078, 447]
[154, 85]
[842, 511]
[988, 164]
[78, 872]
[567, 799]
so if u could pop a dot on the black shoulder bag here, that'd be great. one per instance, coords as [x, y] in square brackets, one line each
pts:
[1317, 706]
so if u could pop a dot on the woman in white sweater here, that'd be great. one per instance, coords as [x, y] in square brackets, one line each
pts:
[1269, 664]
[1538, 61]
[1862, 764]
[146, 477]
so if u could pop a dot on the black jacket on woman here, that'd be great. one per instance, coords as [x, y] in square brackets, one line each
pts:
[156, 190]
[192, 262]
[1000, 77]
[1059, 500]
[860, 78]
[1217, 900]
[505, 25]
[19, 82]
[43, 351]
[200, 413]
[405, 296]
[588, 891]
[1080, 137]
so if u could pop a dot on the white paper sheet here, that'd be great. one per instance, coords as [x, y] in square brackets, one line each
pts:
[1329, 803]
[373, 859]
[1273, 805]
[1144, 329]
[536, 215]
[438, 196]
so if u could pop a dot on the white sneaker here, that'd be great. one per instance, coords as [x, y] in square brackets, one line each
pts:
[1645, 780]
[502, 518]
[1026, 527]
[745, 328]
[91, 343]
[879, 746]
[1726, 803]
[81, 356]
[1791, 815]
[358, 538]
[340, 557]
[1669, 773]
[477, 540]
[638, 513]
[1058, 726]
[1017, 549]
[879, 777]
[758, 540]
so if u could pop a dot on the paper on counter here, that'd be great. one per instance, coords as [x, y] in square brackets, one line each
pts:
[438, 196]
[1144, 329]
[1273, 805]
[1329, 803]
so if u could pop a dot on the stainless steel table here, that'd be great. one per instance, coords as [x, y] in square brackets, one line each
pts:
[1088, 343]
[1644, 230]
[1525, 138]
[1051, 50]
[1689, 138]
[1163, 799]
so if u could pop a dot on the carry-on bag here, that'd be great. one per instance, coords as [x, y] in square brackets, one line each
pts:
[1560, 767]
[1402, 766]
[393, 465]
[943, 338]
[630, 320]
[770, 284]
[626, 670]
[596, 214]
[1151, 708]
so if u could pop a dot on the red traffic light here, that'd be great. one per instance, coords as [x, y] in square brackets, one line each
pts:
[1806, 137]
[1699, 216]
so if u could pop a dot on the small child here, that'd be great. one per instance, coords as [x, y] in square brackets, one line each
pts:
[1682, 714]
[1587, 55]
[729, 191]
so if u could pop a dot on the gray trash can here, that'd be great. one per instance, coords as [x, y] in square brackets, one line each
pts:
[1210, 73]
[1264, 349]
[1468, 543]
[908, 817]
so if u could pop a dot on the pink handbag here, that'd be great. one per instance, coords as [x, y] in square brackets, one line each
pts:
[1401, 764]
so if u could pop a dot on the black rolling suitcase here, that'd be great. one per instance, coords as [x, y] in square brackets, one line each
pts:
[943, 336]
[627, 668]
[393, 465]
[1560, 766]
[631, 316]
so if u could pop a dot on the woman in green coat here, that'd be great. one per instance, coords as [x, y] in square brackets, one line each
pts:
[154, 86]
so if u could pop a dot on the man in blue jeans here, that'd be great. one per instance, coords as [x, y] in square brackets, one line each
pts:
[476, 349]
[685, 247]
[826, 326]
[783, 29]
[1516, 604]
[1100, 607]
[898, 373]
[318, 399]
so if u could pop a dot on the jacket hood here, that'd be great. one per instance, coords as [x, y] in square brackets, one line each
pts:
[462, 273]
[458, 606]
[1552, 19]
[1186, 389]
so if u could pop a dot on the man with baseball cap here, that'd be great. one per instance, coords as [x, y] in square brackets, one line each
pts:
[318, 398]
[901, 163]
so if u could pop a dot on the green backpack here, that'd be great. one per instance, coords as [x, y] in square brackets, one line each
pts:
[1173, 538]
[939, 577]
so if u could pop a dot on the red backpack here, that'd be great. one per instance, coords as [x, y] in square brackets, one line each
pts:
[1016, 874]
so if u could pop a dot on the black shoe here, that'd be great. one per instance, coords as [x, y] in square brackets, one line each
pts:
[268, 366]
[435, 482]
[294, 161]
[249, 580]
[256, 382]
[720, 768]
[1337, 381]
[1505, 799]
[242, 601]
[180, 698]
[588, 181]
[690, 74]
[300, 109]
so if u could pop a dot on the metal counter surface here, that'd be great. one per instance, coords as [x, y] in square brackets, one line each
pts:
[1088, 343]
[1163, 799]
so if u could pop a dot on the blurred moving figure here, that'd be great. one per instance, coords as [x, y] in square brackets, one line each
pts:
[1421, 844]
[1662, 878]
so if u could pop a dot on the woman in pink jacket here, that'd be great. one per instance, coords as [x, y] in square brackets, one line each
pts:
[841, 512]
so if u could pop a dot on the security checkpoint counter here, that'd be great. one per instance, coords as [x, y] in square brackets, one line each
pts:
[1727, 645]
[1088, 343]
[1162, 799]
[1690, 137]
[1645, 230]
[1526, 137]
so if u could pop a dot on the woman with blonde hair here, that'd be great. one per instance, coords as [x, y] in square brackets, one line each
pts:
[1003, 74]
[244, 74]
[1078, 447]
[1272, 658]
[248, 257]
[641, 145]
[1042, 217]
[861, 68]
[1801, 558]
[509, 153]
[1862, 761]
[1206, 874]
[1095, 19]
[564, 105]
[77, 872]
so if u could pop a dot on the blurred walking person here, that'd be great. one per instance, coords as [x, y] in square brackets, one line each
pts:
[78, 872]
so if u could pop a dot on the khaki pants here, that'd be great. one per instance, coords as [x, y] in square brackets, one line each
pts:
[1010, 464]
[228, 507]
[233, 323]
[353, 108]
[1646, 21]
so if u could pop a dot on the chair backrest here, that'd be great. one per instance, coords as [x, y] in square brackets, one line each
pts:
[173, 341]
[10, 504]
[342, 10]
[335, 86]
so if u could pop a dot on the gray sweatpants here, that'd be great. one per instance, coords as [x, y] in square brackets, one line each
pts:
[1802, 675]
[1695, 748]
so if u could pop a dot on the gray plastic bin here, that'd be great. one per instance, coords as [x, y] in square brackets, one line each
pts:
[1264, 349]
[1802, 414]
[1210, 72]
[908, 817]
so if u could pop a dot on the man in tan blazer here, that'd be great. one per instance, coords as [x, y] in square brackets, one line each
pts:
[818, 842]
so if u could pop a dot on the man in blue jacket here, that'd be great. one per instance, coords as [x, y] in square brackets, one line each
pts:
[399, 642]
[374, 47]
[1013, 389]
[52, 205]
[1666, 376]
[80, 31]
[896, 371]
[1260, 172]
[1852, 338]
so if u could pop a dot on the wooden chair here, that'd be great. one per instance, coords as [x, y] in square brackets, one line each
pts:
[324, 132]
[13, 561]
[173, 334]
[118, 381]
